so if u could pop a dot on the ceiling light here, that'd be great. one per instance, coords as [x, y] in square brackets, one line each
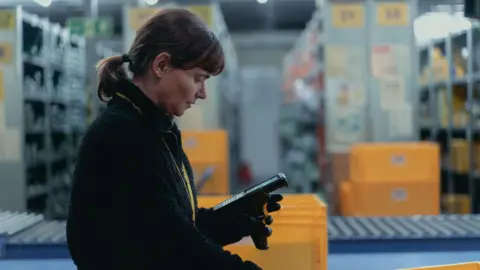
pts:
[262, 1]
[151, 2]
[43, 3]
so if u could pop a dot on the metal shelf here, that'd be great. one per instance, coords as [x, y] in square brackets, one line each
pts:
[44, 105]
[448, 67]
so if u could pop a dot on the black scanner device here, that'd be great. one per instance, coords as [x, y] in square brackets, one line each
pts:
[253, 202]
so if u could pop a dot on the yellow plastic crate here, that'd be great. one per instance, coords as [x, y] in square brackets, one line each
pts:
[460, 266]
[390, 199]
[299, 239]
[207, 150]
[395, 162]
[211, 201]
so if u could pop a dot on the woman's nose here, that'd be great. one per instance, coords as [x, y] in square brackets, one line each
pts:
[202, 94]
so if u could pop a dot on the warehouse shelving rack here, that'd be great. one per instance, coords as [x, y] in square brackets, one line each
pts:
[449, 110]
[44, 112]
[369, 61]
[302, 126]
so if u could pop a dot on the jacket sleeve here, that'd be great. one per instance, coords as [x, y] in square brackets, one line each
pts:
[161, 218]
[221, 231]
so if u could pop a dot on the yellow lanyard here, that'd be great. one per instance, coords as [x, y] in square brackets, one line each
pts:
[186, 180]
[184, 175]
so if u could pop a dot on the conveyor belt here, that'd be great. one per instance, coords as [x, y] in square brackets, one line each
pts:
[404, 234]
[12, 223]
[415, 227]
[45, 232]
[15, 222]
[29, 236]
[47, 239]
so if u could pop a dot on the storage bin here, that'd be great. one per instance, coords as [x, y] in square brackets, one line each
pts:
[460, 160]
[395, 162]
[208, 150]
[217, 182]
[456, 204]
[347, 205]
[460, 266]
[299, 240]
[208, 201]
[390, 199]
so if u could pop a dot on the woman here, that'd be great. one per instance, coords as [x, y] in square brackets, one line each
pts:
[133, 203]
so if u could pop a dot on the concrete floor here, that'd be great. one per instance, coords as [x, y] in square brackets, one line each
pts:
[386, 261]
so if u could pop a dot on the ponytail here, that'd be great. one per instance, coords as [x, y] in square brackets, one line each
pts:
[110, 73]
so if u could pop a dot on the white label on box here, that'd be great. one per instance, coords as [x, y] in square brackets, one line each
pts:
[399, 195]
[398, 159]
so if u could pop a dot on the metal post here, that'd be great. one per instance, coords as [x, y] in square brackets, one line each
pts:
[91, 8]
[449, 89]
[432, 99]
[470, 126]
[270, 15]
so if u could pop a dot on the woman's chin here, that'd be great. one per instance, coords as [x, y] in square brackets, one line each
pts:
[179, 112]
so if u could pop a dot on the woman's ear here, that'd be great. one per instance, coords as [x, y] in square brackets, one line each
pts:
[161, 64]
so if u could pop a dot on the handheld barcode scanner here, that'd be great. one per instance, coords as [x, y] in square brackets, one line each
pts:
[253, 202]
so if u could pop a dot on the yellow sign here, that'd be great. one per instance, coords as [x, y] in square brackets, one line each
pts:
[138, 16]
[7, 19]
[392, 14]
[348, 15]
[205, 12]
[6, 53]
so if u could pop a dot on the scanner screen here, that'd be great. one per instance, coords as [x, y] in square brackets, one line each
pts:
[229, 200]
[260, 186]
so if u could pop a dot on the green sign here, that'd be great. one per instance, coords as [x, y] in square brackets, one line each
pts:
[100, 27]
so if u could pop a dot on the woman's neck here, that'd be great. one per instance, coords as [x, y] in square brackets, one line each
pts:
[143, 85]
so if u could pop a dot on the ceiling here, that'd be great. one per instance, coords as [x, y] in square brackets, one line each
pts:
[240, 15]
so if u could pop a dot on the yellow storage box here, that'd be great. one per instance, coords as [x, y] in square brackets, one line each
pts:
[390, 199]
[208, 152]
[299, 240]
[395, 162]
[456, 204]
[460, 160]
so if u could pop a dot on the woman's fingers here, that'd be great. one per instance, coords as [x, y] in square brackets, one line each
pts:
[269, 220]
[275, 197]
[273, 206]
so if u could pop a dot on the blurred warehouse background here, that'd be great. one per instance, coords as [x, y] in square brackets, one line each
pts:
[371, 105]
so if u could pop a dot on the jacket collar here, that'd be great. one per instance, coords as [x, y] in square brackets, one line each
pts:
[152, 112]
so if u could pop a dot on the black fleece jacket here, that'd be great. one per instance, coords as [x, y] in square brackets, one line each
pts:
[129, 208]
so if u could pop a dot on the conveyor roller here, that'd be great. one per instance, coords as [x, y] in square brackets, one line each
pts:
[414, 227]
[46, 232]
[14, 222]
[30, 236]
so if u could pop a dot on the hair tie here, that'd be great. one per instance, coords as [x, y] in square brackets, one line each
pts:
[126, 58]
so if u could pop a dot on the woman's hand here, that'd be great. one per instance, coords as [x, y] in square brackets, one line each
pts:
[247, 225]
[228, 230]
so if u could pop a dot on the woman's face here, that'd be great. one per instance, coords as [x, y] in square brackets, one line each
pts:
[176, 89]
[183, 88]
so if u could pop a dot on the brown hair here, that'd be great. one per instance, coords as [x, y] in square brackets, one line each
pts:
[175, 31]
